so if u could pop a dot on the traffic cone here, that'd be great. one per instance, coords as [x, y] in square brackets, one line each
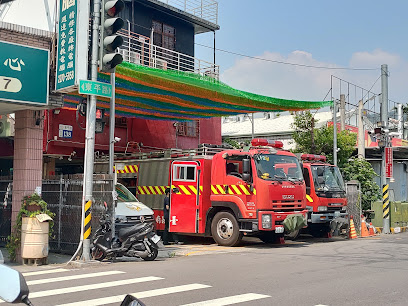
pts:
[371, 230]
[353, 234]
[364, 230]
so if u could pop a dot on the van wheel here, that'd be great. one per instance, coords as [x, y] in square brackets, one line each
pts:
[225, 229]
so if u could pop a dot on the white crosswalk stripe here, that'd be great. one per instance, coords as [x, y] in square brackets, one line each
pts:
[140, 295]
[72, 277]
[45, 272]
[49, 277]
[229, 300]
[92, 286]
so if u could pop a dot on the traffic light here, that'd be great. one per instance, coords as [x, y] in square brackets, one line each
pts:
[110, 41]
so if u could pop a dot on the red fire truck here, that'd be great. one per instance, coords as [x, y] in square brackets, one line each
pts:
[222, 193]
[325, 193]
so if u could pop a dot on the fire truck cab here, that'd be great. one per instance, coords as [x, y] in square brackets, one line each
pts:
[325, 193]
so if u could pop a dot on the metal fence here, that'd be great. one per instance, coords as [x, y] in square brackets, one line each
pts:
[354, 203]
[6, 184]
[205, 9]
[64, 198]
[137, 49]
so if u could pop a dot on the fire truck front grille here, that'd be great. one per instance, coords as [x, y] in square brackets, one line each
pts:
[287, 205]
[334, 208]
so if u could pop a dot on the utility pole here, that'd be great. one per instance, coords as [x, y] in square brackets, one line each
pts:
[90, 136]
[384, 123]
[361, 132]
[335, 132]
[342, 112]
[253, 125]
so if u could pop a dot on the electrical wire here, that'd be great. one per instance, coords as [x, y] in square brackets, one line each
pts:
[286, 63]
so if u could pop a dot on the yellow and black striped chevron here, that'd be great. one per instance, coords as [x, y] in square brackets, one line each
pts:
[192, 190]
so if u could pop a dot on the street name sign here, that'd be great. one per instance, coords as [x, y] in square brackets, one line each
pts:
[88, 87]
[24, 73]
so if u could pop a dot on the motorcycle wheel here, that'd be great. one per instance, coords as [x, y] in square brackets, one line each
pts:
[152, 256]
[97, 254]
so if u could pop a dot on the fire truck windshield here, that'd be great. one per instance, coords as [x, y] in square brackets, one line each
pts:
[327, 178]
[278, 167]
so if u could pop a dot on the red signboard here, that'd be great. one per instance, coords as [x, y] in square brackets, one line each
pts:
[388, 162]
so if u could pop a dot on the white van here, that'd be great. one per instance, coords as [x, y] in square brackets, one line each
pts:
[129, 210]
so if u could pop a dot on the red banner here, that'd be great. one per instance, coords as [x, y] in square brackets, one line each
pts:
[388, 162]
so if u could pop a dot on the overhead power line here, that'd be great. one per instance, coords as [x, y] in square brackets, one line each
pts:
[287, 63]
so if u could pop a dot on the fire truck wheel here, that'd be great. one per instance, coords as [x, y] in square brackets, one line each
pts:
[270, 237]
[225, 229]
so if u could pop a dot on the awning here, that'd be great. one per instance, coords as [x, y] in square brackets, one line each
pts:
[173, 95]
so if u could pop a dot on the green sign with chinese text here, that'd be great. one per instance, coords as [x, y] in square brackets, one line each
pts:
[95, 88]
[24, 73]
[67, 43]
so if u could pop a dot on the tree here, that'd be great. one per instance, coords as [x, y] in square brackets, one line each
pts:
[361, 170]
[320, 141]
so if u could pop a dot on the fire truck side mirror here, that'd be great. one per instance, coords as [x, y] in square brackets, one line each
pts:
[246, 166]
[308, 189]
[246, 177]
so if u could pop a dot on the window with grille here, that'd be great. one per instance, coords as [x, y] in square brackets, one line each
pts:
[164, 35]
[189, 128]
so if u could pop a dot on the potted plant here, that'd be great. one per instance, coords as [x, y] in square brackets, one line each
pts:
[31, 207]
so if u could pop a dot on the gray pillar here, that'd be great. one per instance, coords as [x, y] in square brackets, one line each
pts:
[361, 132]
[342, 112]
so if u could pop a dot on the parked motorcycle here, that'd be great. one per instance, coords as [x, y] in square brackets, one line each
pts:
[138, 240]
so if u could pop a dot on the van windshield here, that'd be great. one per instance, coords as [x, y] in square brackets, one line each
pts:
[278, 167]
[124, 195]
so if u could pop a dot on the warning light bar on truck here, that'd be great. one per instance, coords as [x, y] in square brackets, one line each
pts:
[261, 142]
[313, 157]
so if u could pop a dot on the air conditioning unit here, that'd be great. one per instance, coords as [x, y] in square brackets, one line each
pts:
[6, 127]
[161, 64]
[131, 56]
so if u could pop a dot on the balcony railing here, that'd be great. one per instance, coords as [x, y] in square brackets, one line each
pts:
[137, 49]
[204, 9]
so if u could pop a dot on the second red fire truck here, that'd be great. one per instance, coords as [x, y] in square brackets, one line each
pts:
[224, 193]
[325, 193]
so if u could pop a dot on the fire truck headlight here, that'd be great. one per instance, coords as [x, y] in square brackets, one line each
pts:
[266, 221]
[309, 208]
[322, 208]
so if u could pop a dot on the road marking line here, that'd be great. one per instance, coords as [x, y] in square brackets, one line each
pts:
[72, 277]
[229, 300]
[139, 295]
[92, 286]
[45, 272]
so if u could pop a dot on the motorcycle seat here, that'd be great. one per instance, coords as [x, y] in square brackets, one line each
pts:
[127, 231]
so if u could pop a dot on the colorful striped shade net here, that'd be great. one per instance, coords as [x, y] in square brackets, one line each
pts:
[173, 95]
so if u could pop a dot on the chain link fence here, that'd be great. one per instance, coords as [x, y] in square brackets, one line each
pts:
[63, 195]
[354, 203]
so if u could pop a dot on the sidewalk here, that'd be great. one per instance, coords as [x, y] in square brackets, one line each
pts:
[57, 260]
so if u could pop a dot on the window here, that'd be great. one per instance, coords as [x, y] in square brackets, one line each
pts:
[184, 173]
[188, 128]
[164, 35]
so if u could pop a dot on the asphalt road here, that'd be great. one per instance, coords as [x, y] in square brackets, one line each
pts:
[370, 271]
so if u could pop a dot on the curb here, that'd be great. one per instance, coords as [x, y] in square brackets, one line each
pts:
[394, 230]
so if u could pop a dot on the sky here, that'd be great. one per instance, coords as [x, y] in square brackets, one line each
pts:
[350, 34]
